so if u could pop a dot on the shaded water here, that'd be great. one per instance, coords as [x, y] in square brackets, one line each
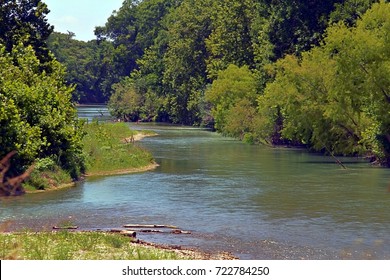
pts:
[254, 201]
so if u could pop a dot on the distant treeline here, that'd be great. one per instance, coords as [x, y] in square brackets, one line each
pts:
[313, 73]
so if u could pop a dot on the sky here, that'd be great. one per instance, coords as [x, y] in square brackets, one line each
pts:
[80, 16]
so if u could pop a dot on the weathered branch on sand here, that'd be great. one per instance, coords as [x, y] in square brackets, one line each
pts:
[148, 226]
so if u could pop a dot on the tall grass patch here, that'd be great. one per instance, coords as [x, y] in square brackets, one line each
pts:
[106, 149]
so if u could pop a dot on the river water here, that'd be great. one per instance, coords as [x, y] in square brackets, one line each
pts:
[253, 201]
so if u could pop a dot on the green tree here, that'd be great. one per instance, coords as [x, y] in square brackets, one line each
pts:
[231, 39]
[25, 21]
[350, 11]
[128, 33]
[184, 77]
[336, 98]
[37, 118]
[233, 85]
[295, 26]
[125, 102]
[82, 64]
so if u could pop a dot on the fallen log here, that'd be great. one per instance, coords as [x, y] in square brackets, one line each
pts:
[129, 233]
[151, 231]
[148, 226]
[65, 227]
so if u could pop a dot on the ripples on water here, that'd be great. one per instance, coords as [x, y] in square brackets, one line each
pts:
[254, 201]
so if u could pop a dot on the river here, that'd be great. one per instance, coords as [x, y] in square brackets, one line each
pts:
[253, 201]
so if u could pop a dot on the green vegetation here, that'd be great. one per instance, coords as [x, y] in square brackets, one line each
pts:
[64, 245]
[46, 175]
[336, 97]
[235, 88]
[81, 60]
[107, 150]
[37, 118]
[307, 73]
[24, 22]
[312, 73]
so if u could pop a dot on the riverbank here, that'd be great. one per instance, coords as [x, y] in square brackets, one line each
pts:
[149, 167]
[109, 149]
[72, 245]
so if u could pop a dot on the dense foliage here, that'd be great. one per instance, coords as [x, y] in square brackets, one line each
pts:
[87, 66]
[37, 118]
[337, 96]
[312, 73]
[24, 21]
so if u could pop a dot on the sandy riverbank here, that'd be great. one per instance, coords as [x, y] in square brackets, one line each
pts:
[149, 167]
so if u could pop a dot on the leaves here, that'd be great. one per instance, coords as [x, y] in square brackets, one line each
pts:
[24, 21]
[36, 116]
[335, 98]
[233, 85]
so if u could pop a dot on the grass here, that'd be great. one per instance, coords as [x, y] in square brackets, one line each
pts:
[106, 150]
[64, 245]
[47, 175]
[47, 179]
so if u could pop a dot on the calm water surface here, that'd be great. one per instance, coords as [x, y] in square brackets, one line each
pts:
[254, 201]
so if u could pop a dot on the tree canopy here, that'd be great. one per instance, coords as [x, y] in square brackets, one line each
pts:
[37, 118]
[312, 73]
[336, 97]
[25, 21]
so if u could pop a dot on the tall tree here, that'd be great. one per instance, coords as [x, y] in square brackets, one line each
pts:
[185, 75]
[336, 97]
[82, 63]
[25, 21]
[232, 86]
[130, 31]
[37, 118]
[231, 39]
[295, 26]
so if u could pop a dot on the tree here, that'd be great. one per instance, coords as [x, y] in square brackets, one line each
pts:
[350, 11]
[232, 86]
[25, 21]
[128, 33]
[336, 97]
[125, 102]
[295, 26]
[231, 40]
[184, 77]
[82, 64]
[362, 54]
[37, 118]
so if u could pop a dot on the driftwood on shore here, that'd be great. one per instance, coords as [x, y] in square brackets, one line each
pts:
[148, 226]
[65, 227]
[131, 230]
[124, 232]
[156, 229]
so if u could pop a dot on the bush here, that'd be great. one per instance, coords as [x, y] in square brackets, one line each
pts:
[45, 164]
[37, 118]
[47, 174]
